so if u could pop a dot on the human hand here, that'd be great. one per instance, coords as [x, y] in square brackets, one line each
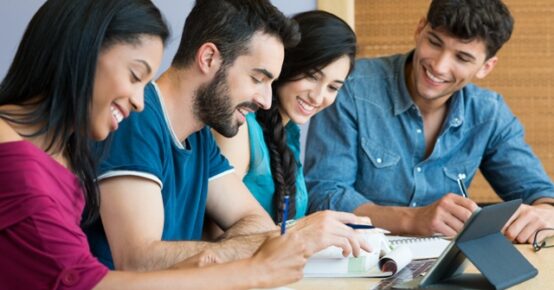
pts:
[328, 228]
[528, 219]
[280, 260]
[445, 216]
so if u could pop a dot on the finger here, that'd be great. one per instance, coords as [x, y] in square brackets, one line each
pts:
[462, 210]
[511, 220]
[516, 227]
[528, 233]
[454, 223]
[344, 244]
[440, 225]
[349, 218]
[364, 244]
[355, 244]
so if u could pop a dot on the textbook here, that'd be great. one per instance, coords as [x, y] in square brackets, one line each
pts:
[383, 261]
[421, 247]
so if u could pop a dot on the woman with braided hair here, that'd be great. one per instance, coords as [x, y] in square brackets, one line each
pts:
[266, 151]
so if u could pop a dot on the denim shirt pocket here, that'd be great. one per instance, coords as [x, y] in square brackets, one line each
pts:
[380, 157]
[459, 170]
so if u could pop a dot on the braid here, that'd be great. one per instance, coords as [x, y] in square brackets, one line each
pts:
[283, 164]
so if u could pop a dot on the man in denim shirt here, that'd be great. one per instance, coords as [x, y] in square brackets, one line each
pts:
[405, 128]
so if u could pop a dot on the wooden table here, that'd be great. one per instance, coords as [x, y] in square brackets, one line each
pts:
[542, 260]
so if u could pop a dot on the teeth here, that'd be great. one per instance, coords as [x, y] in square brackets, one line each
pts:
[305, 105]
[433, 78]
[117, 114]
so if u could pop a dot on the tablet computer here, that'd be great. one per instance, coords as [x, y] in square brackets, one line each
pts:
[482, 243]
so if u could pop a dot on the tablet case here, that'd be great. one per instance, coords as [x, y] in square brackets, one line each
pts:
[480, 241]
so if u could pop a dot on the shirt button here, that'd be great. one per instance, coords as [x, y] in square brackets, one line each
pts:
[414, 204]
[461, 175]
[418, 169]
[418, 131]
[379, 160]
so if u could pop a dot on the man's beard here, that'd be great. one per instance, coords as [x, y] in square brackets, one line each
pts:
[213, 105]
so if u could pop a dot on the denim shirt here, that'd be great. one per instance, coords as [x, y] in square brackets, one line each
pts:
[370, 147]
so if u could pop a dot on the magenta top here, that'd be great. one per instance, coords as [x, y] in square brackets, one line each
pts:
[41, 243]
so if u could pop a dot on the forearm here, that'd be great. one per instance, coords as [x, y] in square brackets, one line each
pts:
[398, 220]
[161, 255]
[222, 276]
[240, 247]
[248, 225]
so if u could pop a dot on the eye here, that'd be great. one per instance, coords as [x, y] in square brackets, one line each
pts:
[312, 76]
[255, 80]
[433, 42]
[462, 58]
[334, 88]
[134, 77]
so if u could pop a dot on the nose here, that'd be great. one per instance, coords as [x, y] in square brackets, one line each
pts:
[263, 100]
[137, 101]
[442, 64]
[316, 95]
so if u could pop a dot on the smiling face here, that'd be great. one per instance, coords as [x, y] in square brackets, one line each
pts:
[122, 72]
[302, 98]
[243, 87]
[443, 64]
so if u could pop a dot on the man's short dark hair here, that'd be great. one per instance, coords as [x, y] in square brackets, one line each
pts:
[230, 24]
[487, 20]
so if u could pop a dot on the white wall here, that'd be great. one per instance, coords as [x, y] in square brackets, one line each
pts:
[15, 14]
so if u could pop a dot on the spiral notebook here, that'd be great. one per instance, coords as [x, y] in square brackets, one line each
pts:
[421, 247]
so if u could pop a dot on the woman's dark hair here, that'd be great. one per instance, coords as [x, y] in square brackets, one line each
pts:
[54, 68]
[487, 20]
[324, 39]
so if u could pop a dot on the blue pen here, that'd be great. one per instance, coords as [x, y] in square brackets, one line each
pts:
[360, 227]
[285, 215]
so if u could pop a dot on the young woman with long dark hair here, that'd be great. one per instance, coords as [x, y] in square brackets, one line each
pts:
[266, 152]
[80, 69]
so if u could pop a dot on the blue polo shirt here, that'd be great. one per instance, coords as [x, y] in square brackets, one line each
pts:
[146, 146]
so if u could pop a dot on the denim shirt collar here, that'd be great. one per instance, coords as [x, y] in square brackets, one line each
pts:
[402, 101]
[456, 109]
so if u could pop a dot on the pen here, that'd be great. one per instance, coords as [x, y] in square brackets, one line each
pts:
[285, 215]
[462, 185]
[368, 227]
[360, 227]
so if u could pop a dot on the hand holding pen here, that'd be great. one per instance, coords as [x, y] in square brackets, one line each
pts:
[329, 228]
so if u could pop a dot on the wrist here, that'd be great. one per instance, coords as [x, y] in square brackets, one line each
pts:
[407, 218]
[545, 205]
[256, 271]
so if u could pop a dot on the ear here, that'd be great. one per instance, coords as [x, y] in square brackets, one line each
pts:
[420, 26]
[208, 58]
[487, 67]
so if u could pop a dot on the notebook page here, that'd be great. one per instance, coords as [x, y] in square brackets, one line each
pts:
[421, 247]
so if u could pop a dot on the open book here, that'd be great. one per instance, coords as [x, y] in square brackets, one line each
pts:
[383, 261]
[421, 247]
